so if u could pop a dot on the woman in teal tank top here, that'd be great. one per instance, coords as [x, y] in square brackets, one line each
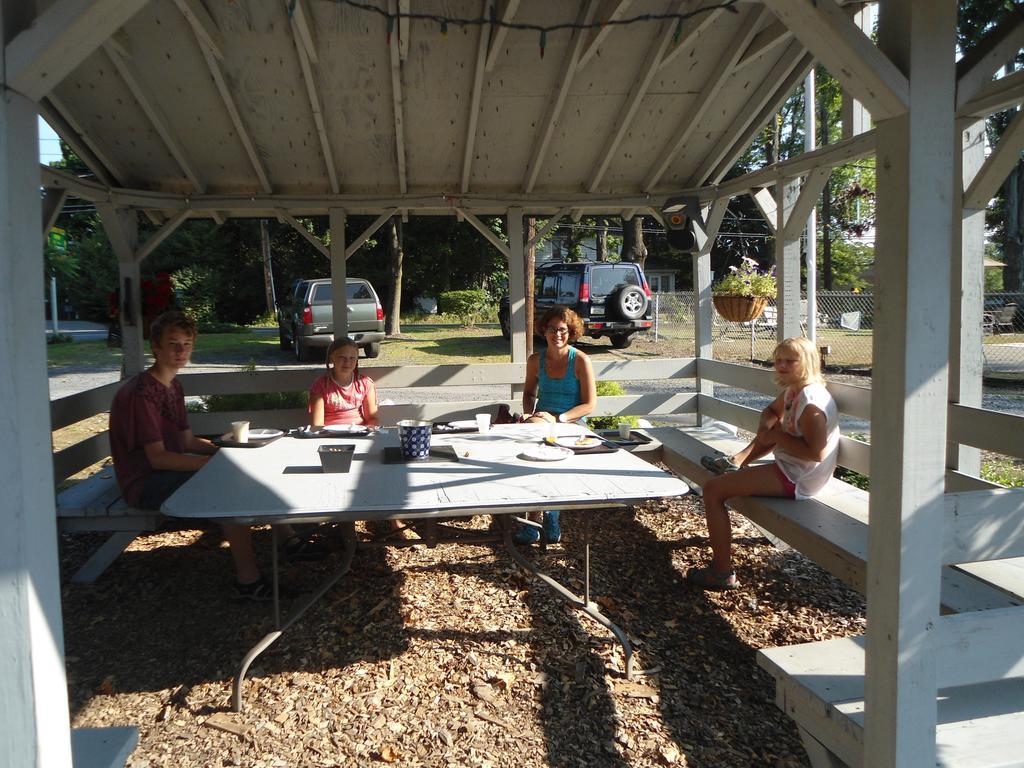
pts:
[559, 387]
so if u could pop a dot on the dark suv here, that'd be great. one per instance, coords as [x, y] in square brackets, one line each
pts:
[612, 299]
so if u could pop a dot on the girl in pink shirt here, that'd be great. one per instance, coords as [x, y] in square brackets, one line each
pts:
[343, 395]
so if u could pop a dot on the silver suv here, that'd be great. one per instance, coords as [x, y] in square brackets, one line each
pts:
[305, 317]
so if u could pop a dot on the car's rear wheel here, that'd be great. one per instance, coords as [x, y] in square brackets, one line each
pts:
[301, 353]
[372, 349]
[621, 340]
[630, 302]
[506, 332]
[286, 343]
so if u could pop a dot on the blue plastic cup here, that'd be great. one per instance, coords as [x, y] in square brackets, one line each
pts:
[414, 437]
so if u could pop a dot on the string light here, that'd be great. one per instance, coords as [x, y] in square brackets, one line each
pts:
[491, 18]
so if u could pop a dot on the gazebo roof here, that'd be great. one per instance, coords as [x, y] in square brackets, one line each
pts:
[312, 99]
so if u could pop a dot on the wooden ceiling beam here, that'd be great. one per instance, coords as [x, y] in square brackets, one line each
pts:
[77, 138]
[469, 146]
[156, 117]
[996, 96]
[302, 35]
[397, 105]
[691, 31]
[498, 34]
[772, 36]
[774, 104]
[404, 29]
[828, 32]
[778, 75]
[60, 38]
[631, 105]
[203, 26]
[555, 105]
[611, 12]
[302, 28]
[975, 70]
[750, 23]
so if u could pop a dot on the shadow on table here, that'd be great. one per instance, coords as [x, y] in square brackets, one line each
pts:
[163, 616]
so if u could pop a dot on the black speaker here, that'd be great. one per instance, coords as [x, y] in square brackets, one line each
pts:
[679, 213]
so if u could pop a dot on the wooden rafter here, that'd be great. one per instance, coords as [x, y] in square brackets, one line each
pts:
[691, 31]
[203, 25]
[236, 118]
[837, 42]
[713, 223]
[784, 67]
[53, 202]
[997, 166]
[404, 29]
[61, 38]
[498, 35]
[474, 108]
[77, 135]
[772, 36]
[632, 103]
[305, 48]
[996, 96]
[976, 68]
[733, 50]
[397, 104]
[69, 131]
[766, 204]
[772, 107]
[555, 105]
[616, 11]
[156, 117]
[548, 226]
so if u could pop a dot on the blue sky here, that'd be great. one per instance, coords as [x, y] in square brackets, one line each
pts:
[49, 145]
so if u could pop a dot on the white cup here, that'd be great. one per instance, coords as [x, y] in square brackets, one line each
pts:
[483, 423]
[625, 428]
[550, 431]
[240, 431]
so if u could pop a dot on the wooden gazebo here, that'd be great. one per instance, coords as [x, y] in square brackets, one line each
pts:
[286, 108]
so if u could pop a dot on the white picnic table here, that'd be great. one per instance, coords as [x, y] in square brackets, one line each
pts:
[490, 473]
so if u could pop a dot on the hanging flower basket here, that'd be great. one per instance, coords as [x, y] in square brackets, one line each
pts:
[740, 309]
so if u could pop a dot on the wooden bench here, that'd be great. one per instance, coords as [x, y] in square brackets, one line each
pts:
[832, 528]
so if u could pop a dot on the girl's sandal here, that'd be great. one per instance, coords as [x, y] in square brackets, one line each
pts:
[707, 578]
[718, 464]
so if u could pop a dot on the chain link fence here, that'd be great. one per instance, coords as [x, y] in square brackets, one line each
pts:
[844, 328]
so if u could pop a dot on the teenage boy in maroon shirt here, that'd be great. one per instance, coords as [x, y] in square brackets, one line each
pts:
[153, 447]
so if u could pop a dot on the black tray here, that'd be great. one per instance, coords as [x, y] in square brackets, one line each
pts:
[321, 434]
[393, 455]
[226, 442]
[635, 438]
[442, 428]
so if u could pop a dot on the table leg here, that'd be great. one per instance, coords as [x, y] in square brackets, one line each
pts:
[344, 565]
[583, 604]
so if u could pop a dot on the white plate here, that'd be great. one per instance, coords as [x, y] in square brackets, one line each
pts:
[578, 441]
[264, 434]
[546, 453]
[463, 424]
[349, 429]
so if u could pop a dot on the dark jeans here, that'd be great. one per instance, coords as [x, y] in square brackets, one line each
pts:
[158, 487]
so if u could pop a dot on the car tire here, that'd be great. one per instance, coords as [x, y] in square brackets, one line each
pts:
[286, 343]
[301, 353]
[621, 340]
[372, 349]
[630, 302]
[506, 332]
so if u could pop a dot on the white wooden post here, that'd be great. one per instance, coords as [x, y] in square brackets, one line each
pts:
[703, 316]
[856, 119]
[966, 360]
[517, 284]
[339, 273]
[910, 386]
[122, 228]
[34, 724]
[787, 261]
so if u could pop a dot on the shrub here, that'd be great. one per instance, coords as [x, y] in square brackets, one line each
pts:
[468, 306]
[194, 288]
[610, 389]
[59, 338]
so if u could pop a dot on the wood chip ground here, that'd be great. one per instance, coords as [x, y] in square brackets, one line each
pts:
[451, 656]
